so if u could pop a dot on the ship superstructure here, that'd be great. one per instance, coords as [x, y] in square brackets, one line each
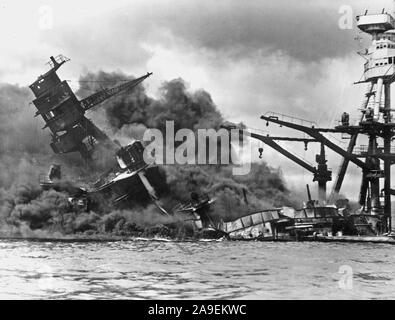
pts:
[127, 178]
[374, 124]
[65, 116]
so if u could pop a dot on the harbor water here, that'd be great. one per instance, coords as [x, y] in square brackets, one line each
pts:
[143, 269]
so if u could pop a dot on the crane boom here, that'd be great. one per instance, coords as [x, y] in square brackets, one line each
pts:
[270, 141]
[311, 131]
[102, 95]
[64, 114]
[321, 173]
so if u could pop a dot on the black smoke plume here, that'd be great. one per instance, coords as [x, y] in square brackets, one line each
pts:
[26, 210]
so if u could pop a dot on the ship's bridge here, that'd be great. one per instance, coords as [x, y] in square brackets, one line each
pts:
[381, 56]
[375, 23]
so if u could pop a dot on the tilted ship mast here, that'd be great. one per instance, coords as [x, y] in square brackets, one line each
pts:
[129, 179]
[64, 114]
[71, 131]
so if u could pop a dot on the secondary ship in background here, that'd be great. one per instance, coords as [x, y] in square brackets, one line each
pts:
[330, 216]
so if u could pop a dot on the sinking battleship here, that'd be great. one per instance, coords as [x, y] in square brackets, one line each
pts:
[325, 219]
[127, 177]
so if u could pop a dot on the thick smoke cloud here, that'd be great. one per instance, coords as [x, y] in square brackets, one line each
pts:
[26, 210]
[130, 114]
[22, 142]
[194, 110]
[256, 55]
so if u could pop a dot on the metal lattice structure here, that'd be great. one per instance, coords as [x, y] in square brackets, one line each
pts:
[375, 122]
[65, 116]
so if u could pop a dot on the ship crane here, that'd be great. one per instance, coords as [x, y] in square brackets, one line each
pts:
[103, 95]
[375, 122]
[127, 176]
[370, 168]
[65, 116]
[321, 174]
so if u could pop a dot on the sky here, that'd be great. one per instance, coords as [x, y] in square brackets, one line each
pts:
[252, 56]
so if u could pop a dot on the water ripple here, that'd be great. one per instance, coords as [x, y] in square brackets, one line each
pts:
[142, 269]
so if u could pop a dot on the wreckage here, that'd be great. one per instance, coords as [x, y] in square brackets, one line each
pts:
[127, 177]
[375, 216]
[65, 116]
[132, 179]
